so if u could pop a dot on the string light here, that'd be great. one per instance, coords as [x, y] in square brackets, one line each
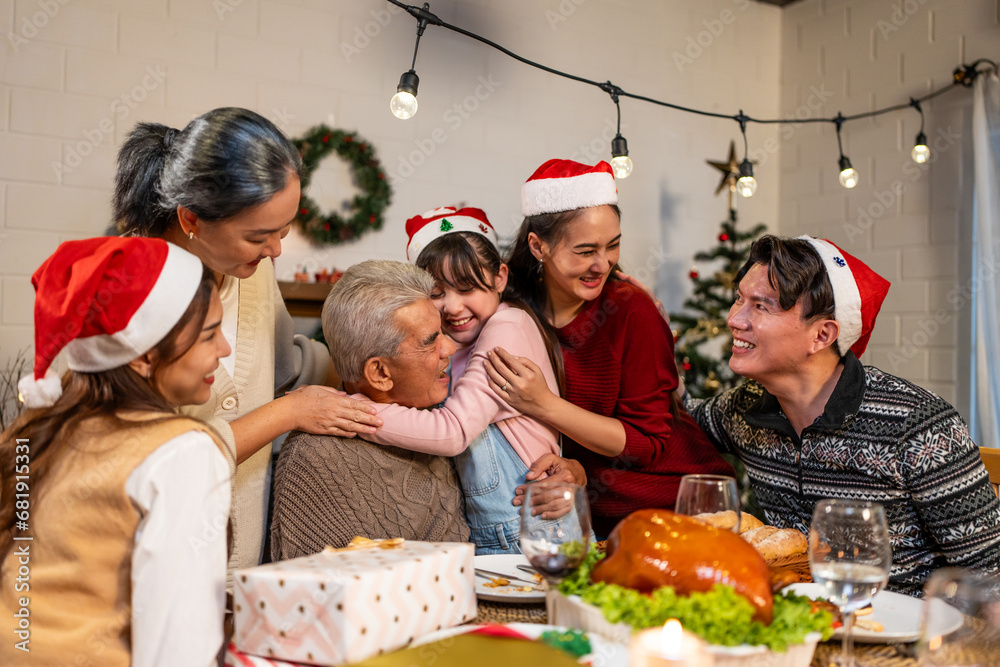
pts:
[963, 75]
[621, 163]
[920, 153]
[848, 174]
[747, 184]
[404, 103]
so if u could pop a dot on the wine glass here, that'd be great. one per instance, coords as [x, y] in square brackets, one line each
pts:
[849, 555]
[701, 494]
[555, 528]
[960, 623]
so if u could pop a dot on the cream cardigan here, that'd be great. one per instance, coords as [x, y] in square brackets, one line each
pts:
[270, 360]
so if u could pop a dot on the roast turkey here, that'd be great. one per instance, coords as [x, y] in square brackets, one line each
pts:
[653, 548]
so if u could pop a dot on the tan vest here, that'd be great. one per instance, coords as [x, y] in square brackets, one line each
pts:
[80, 560]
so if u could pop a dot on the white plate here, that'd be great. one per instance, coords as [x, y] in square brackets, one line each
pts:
[899, 614]
[506, 564]
[604, 653]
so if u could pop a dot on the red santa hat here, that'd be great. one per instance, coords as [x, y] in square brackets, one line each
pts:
[565, 185]
[422, 229]
[858, 293]
[106, 301]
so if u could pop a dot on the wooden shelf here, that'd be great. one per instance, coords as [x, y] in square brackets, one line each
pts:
[304, 299]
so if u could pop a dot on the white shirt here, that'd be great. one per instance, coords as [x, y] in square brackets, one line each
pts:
[182, 494]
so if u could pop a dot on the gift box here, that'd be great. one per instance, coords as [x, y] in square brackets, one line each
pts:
[572, 612]
[344, 606]
[236, 658]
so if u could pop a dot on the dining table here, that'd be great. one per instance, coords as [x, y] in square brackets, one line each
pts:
[871, 655]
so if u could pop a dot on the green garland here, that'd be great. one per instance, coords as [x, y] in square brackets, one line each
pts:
[365, 210]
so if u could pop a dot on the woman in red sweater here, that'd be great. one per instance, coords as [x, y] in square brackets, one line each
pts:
[619, 415]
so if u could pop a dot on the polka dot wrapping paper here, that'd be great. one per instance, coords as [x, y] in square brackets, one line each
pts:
[338, 607]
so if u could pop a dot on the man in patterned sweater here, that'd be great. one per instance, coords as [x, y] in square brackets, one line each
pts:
[812, 422]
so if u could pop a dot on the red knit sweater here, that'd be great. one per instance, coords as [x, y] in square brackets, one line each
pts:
[619, 358]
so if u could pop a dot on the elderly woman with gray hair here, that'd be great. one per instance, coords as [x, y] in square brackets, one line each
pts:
[226, 188]
[385, 337]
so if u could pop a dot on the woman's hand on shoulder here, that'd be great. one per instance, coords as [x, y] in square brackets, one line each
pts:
[624, 277]
[326, 411]
[519, 381]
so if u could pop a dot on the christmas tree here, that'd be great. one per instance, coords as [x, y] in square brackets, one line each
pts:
[703, 343]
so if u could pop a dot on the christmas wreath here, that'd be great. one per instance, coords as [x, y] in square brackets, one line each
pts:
[365, 210]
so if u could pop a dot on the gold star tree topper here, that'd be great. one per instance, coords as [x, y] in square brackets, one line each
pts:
[730, 174]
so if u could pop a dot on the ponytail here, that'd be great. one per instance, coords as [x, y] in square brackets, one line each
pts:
[222, 163]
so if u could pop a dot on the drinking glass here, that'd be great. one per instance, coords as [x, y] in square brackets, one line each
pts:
[960, 623]
[701, 494]
[555, 528]
[849, 555]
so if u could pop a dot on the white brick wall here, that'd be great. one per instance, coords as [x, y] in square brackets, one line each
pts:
[74, 86]
[909, 222]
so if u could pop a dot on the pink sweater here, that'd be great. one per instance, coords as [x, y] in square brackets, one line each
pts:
[472, 405]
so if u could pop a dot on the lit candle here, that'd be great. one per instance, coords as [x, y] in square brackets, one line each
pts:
[668, 646]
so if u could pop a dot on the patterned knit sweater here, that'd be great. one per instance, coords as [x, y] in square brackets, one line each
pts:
[880, 439]
[619, 359]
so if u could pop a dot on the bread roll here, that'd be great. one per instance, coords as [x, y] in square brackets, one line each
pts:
[749, 522]
[726, 520]
[773, 543]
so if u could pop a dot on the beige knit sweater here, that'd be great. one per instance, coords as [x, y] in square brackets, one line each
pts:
[328, 490]
[270, 360]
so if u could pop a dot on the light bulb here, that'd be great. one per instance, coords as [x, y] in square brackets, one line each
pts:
[848, 176]
[403, 105]
[920, 152]
[746, 186]
[622, 166]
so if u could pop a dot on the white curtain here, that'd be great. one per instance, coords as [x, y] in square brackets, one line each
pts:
[986, 261]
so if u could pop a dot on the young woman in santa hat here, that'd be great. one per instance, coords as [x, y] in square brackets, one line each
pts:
[113, 529]
[618, 412]
[226, 188]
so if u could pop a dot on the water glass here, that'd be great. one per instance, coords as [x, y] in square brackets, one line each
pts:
[960, 623]
[708, 494]
[849, 556]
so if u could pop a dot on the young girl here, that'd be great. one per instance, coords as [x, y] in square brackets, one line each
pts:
[619, 415]
[493, 444]
[113, 532]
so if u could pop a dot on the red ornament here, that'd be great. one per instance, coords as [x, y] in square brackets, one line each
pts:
[327, 226]
[326, 138]
[687, 366]
[723, 237]
[348, 139]
[303, 211]
[693, 274]
[363, 147]
[371, 220]
[381, 176]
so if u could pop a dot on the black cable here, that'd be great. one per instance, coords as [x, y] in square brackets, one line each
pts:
[964, 75]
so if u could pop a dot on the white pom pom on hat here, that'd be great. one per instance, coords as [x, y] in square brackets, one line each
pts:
[422, 230]
[566, 185]
[106, 301]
